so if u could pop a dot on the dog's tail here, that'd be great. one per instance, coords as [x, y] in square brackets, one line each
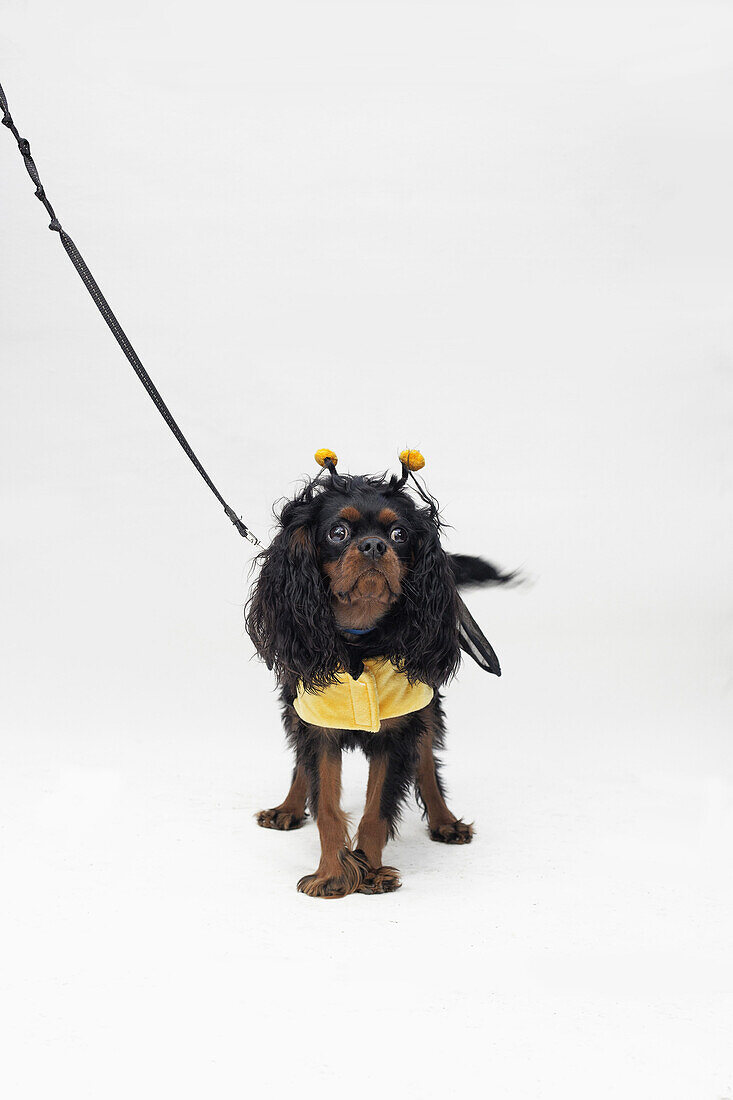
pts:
[470, 572]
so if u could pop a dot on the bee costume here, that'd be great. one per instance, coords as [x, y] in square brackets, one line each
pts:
[381, 690]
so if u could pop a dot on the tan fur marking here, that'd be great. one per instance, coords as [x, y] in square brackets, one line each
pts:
[363, 591]
[340, 871]
[387, 516]
[442, 824]
[372, 835]
[300, 539]
[437, 810]
[353, 515]
[332, 821]
[290, 814]
[359, 614]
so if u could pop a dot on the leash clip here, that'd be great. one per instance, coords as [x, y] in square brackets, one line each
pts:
[242, 526]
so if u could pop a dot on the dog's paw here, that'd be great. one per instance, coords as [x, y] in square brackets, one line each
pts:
[452, 832]
[385, 880]
[280, 819]
[345, 878]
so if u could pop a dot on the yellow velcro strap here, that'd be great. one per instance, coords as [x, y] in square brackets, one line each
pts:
[380, 692]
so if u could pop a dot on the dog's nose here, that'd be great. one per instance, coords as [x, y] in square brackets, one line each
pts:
[373, 547]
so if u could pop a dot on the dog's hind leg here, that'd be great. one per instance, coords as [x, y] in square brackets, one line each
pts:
[291, 812]
[443, 825]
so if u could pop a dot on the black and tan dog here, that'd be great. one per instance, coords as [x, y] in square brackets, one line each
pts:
[356, 608]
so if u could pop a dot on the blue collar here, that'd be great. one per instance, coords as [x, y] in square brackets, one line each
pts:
[350, 630]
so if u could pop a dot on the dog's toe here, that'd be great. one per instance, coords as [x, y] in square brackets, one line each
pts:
[277, 818]
[452, 832]
[385, 880]
[342, 876]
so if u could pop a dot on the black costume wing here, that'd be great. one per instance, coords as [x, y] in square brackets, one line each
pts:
[474, 643]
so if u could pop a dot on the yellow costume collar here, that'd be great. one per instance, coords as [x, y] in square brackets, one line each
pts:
[380, 692]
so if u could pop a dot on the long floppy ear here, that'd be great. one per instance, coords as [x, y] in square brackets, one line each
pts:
[426, 634]
[289, 617]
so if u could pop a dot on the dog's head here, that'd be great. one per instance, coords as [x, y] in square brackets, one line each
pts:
[355, 553]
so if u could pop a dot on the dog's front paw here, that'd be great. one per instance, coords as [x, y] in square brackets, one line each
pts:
[278, 818]
[342, 878]
[452, 832]
[385, 880]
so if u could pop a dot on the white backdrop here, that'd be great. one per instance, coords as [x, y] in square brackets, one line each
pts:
[500, 232]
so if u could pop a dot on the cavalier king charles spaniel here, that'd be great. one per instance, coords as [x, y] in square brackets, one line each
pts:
[356, 608]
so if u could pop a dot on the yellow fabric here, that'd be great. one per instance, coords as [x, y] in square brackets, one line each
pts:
[380, 692]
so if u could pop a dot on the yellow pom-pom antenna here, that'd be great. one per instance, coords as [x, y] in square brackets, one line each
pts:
[413, 460]
[324, 453]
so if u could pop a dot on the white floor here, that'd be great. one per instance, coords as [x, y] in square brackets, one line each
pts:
[155, 943]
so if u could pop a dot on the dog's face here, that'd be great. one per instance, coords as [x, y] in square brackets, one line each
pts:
[364, 546]
[354, 554]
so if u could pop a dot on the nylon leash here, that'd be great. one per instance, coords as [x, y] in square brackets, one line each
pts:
[112, 323]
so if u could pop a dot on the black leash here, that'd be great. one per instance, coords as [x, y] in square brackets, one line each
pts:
[113, 324]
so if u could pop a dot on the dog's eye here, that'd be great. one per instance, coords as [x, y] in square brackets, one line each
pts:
[398, 534]
[338, 533]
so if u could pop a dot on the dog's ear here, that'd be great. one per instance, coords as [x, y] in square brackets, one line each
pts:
[426, 640]
[289, 616]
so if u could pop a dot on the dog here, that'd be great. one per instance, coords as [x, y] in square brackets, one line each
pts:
[356, 609]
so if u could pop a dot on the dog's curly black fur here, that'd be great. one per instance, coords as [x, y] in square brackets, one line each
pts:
[360, 551]
[290, 617]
